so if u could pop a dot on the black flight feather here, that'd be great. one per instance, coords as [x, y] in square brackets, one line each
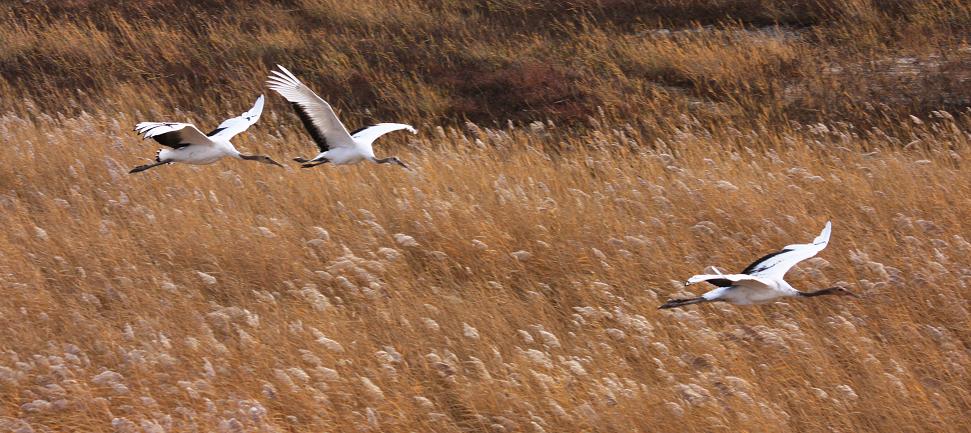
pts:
[720, 282]
[214, 132]
[171, 139]
[308, 124]
[754, 266]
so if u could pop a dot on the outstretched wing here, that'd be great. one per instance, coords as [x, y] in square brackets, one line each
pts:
[174, 135]
[774, 266]
[231, 127]
[368, 134]
[316, 114]
[728, 280]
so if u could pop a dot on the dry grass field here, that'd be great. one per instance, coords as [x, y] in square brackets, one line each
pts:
[575, 162]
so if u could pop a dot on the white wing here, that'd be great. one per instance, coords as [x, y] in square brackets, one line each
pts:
[174, 135]
[774, 266]
[317, 115]
[368, 134]
[231, 127]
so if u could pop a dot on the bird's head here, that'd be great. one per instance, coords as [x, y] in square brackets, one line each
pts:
[394, 160]
[267, 160]
[837, 290]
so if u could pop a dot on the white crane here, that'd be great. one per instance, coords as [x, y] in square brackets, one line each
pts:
[762, 281]
[337, 146]
[188, 145]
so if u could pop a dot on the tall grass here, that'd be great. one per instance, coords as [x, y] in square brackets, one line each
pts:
[510, 282]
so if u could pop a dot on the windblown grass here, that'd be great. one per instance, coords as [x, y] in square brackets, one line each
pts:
[510, 282]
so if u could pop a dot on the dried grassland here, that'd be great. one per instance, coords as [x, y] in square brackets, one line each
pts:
[510, 283]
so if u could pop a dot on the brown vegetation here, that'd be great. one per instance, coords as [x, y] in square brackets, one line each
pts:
[510, 283]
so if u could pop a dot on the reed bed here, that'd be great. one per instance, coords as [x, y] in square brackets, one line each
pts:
[510, 282]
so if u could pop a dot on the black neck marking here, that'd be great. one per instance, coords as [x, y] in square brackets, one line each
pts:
[820, 292]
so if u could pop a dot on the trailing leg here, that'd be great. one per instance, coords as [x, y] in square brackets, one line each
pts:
[312, 163]
[147, 166]
[672, 303]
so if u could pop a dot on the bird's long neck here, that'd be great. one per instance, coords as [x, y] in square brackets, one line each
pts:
[820, 292]
[246, 157]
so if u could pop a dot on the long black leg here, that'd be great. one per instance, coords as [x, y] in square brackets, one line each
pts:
[672, 303]
[147, 166]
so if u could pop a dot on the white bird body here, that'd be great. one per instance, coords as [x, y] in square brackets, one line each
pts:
[341, 156]
[200, 154]
[751, 291]
[361, 149]
[337, 145]
[186, 144]
[761, 281]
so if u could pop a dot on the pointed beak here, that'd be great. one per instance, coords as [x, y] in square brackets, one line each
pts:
[404, 165]
[274, 162]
